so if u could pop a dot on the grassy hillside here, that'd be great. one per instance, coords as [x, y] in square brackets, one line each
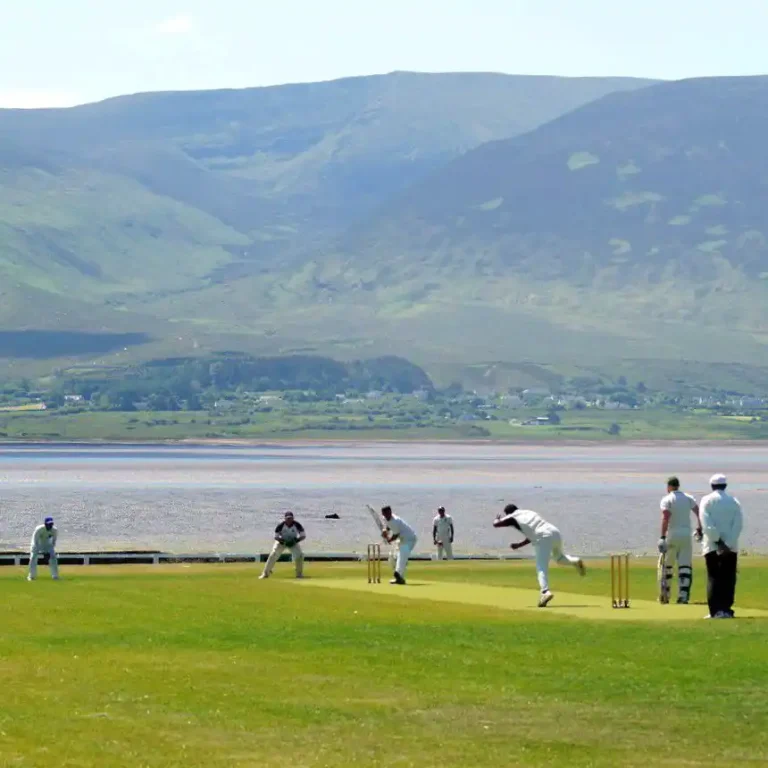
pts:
[629, 181]
[313, 155]
[631, 227]
[628, 228]
[188, 217]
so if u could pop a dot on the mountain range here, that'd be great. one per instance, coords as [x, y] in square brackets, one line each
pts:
[458, 219]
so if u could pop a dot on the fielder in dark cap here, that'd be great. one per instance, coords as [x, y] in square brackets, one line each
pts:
[44, 543]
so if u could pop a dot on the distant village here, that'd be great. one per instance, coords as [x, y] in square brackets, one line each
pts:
[532, 406]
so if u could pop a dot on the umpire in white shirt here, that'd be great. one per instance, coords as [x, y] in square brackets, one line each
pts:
[721, 521]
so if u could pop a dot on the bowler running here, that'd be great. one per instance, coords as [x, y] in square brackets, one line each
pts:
[547, 543]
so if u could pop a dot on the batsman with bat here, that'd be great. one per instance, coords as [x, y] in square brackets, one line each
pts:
[675, 541]
[395, 529]
[288, 535]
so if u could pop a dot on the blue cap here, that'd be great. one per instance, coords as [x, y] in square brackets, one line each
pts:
[48, 520]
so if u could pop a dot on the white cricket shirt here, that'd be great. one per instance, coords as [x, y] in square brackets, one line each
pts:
[442, 526]
[398, 526]
[532, 525]
[721, 518]
[680, 506]
[43, 540]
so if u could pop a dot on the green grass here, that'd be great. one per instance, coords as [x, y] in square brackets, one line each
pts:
[206, 666]
[590, 425]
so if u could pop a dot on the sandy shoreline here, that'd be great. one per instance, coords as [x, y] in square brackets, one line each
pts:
[373, 442]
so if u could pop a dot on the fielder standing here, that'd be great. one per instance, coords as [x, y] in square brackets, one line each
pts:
[675, 541]
[546, 540]
[721, 521]
[442, 534]
[44, 543]
[398, 530]
[288, 535]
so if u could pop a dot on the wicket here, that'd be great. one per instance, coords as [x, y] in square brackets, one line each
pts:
[374, 563]
[620, 581]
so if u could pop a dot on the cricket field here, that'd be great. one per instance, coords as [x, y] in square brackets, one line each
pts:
[204, 665]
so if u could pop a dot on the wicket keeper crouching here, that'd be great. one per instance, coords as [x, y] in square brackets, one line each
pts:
[288, 535]
[44, 543]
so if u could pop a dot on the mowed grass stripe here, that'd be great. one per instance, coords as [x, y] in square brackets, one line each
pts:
[514, 599]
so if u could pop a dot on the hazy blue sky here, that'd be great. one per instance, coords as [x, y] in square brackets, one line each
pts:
[59, 52]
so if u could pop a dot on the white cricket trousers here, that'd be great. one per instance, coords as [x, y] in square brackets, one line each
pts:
[680, 551]
[53, 562]
[296, 554]
[550, 547]
[403, 553]
[445, 550]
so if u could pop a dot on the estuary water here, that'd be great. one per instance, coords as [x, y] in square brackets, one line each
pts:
[222, 498]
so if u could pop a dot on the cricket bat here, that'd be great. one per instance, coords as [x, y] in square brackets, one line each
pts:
[375, 515]
[662, 574]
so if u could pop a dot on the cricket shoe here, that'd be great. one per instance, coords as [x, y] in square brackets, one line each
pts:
[545, 599]
[682, 601]
[264, 576]
[582, 569]
[398, 579]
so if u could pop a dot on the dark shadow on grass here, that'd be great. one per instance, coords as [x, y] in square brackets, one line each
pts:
[39, 345]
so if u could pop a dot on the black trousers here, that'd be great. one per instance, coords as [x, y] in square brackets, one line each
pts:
[721, 581]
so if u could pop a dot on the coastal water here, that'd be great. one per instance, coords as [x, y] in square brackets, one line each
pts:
[228, 498]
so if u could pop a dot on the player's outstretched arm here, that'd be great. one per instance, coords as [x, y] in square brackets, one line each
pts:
[519, 544]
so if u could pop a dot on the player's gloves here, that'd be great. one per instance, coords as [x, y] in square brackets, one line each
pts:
[663, 545]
